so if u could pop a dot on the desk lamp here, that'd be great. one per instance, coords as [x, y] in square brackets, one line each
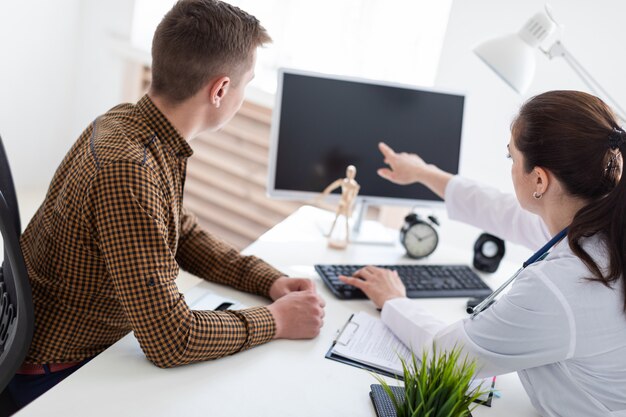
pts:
[512, 56]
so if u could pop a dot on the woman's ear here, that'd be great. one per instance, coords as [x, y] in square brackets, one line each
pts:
[218, 90]
[542, 180]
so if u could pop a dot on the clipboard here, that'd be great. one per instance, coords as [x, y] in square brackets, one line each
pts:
[333, 356]
[371, 368]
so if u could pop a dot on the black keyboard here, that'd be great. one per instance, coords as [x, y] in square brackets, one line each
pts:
[421, 281]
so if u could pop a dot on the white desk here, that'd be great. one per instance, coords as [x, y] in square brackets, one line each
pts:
[281, 378]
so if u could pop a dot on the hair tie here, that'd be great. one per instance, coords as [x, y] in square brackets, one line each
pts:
[616, 138]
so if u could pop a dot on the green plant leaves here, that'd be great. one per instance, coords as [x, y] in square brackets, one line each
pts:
[436, 386]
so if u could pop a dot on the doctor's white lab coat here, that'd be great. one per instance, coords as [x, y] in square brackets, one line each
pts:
[563, 334]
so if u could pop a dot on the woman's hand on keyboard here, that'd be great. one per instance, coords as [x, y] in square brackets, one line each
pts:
[379, 284]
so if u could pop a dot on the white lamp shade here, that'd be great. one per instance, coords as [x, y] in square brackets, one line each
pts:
[511, 58]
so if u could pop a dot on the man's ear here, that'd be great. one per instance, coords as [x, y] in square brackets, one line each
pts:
[218, 90]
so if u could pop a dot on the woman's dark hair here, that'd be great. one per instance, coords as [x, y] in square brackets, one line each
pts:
[577, 138]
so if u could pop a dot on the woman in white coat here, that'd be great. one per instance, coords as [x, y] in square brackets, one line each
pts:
[562, 324]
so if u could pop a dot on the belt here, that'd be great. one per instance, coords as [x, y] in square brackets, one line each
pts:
[39, 369]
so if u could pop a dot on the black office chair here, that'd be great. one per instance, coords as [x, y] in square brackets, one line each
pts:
[8, 189]
[16, 305]
[17, 318]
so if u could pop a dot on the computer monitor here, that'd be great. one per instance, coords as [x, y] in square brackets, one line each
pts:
[323, 123]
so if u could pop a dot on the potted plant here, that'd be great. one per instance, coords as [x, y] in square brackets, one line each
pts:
[437, 386]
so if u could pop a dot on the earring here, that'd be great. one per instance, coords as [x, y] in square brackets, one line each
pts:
[537, 196]
[217, 104]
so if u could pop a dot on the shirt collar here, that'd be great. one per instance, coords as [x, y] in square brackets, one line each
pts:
[163, 129]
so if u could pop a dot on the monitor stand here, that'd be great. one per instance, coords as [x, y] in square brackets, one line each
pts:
[366, 232]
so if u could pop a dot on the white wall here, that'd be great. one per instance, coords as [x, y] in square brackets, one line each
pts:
[38, 41]
[100, 67]
[594, 33]
[57, 72]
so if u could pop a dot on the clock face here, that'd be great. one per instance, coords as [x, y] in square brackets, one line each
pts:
[420, 240]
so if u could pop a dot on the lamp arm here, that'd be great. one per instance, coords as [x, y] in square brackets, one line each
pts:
[559, 50]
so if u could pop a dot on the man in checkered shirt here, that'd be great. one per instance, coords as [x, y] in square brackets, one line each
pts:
[104, 249]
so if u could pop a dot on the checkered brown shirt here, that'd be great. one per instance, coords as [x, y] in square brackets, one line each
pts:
[106, 245]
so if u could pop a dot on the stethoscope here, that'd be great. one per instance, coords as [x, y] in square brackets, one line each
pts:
[536, 257]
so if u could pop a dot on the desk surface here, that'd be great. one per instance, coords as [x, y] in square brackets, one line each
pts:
[281, 378]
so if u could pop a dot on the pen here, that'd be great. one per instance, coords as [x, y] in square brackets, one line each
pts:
[340, 331]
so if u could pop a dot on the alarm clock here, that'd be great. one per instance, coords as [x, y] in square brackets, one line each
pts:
[418, 236]
[488, 252]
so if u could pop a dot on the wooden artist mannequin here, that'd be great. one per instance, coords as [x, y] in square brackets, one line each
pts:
[349, 191]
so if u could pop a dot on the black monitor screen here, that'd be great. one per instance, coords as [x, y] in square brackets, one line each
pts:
[326, 124]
